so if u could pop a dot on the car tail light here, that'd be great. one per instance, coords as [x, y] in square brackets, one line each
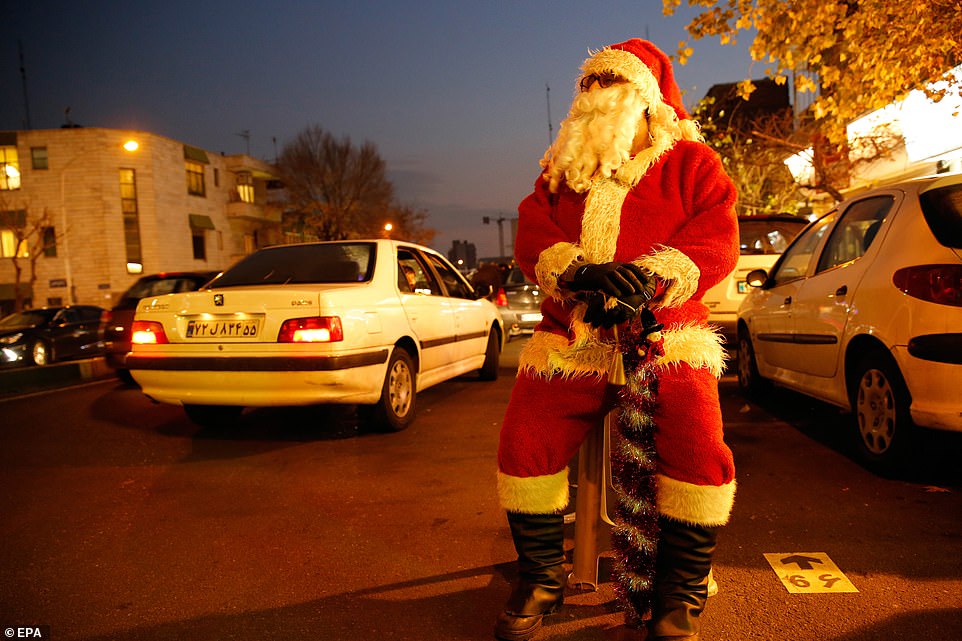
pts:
[940, 284]
[315, 329]
[148, 333]
[502, 298]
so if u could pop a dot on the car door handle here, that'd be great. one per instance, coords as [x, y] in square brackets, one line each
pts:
[788, 301]
[841, 291]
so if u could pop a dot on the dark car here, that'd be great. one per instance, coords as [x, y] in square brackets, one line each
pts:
[121, 316]
[42, 336]
[519, 300]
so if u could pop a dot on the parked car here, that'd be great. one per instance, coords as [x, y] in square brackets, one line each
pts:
[864, 310]
[762, 239]
[366, 322]
[120, 318]
[42, 336]
[519, 300]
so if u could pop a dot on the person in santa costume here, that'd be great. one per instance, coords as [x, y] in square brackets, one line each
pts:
[631, 207]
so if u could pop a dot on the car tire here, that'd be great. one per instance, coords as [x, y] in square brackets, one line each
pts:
[492, 359]
[395, 410]
[884, 430]
[750, 382]
[213, 415]
[40, 353]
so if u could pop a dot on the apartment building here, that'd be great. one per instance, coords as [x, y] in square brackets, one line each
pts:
[110, 205]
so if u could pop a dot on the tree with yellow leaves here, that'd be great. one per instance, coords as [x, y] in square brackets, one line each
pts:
[859, 55]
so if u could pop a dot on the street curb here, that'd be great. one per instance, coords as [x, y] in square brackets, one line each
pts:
[25, 380]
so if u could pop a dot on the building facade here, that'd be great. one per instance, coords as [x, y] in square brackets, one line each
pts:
[110, 205]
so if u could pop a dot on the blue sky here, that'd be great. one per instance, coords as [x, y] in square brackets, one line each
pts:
[452, 93]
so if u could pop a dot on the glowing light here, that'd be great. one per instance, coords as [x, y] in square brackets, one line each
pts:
[131, 145]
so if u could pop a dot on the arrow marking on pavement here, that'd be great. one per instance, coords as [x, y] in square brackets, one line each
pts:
[798, 572]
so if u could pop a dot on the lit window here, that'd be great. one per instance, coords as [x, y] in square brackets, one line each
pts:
[195, 178]
[9, 168]
[245, 186]
[131, 214]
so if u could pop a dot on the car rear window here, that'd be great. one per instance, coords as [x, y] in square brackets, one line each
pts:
[942, 209]
[298, 264]
[154, 286]
[765, 236]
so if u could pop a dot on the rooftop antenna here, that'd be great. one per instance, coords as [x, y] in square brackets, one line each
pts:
[246, 135]
[547, 91]
[23, 77]
[274, 140]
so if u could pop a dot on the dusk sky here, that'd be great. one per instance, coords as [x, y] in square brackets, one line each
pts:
[451, 93]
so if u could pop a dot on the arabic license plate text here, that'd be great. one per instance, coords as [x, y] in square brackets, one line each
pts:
[246, 328]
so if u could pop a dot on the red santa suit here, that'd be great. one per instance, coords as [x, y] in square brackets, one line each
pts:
[669, 209]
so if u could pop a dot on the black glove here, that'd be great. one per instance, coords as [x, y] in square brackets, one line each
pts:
[613, 279]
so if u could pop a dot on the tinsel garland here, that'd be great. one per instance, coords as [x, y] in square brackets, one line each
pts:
[633, 464]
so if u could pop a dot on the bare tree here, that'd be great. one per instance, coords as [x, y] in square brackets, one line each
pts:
[30, 237]
[336, 188]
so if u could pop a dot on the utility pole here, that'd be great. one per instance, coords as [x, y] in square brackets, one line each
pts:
[23, 78]
[246, 135]
[500, 220]
[547, 91]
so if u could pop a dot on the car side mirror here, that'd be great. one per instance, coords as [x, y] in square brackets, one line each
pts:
[757, 277]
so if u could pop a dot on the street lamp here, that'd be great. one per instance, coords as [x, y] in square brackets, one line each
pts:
[388, 227]
[130, 146]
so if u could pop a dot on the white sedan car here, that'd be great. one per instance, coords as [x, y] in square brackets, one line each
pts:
[864, 311]
[357, 322]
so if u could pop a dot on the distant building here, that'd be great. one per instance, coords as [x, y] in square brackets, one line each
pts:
[463, 254]
[768, 99]
[114, 213]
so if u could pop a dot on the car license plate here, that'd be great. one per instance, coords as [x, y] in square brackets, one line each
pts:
[233, 328]
[530, 318]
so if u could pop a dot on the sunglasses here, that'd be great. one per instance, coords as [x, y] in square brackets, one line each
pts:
[604, 80]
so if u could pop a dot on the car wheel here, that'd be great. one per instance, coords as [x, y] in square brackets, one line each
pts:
[213, 415]
[750, 382]
[40, 353]
[395, 409]
[880, 404]
[492, 359]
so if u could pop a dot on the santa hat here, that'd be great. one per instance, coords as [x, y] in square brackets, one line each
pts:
[644, 65]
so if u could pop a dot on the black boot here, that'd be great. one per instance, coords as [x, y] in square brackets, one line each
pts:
[539, 540]
[681, 580]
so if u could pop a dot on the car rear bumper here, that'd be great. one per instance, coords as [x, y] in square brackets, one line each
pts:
[934, 387]
[260, 381]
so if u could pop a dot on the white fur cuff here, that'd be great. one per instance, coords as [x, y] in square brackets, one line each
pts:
[707, 505]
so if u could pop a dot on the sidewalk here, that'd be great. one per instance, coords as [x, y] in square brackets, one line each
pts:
[24, 380]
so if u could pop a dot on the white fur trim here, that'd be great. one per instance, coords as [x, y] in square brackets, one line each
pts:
[696, 345]
[626, 65]
[707, 505]
[601, 222]
[547, 494]
[549, 355]
[552, 263]
[678, 270]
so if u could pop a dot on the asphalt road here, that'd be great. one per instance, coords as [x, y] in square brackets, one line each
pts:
[119, 519]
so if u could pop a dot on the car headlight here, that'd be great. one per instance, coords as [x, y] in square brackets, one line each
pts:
[11, 339]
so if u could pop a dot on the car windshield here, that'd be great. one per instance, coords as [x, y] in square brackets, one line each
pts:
[31, 318]
[297, 264]
[767, 236]
[942, 208]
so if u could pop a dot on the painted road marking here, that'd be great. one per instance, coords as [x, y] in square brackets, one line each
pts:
[808, 572]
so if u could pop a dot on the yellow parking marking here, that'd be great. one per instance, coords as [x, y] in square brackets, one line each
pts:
[808, 572]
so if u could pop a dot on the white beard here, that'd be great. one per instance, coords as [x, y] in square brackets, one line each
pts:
[596, 138]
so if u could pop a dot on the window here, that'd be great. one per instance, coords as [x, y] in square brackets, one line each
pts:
[11, 245]
[794, 262]
[50, 242]
[216, 177]
[347, 262]
[453, 281]
[854, 232]
[245, 186]
[9, 168]
[195, 178]
[413, 276]
[128, 207]
[199, 243]
[38, 157]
